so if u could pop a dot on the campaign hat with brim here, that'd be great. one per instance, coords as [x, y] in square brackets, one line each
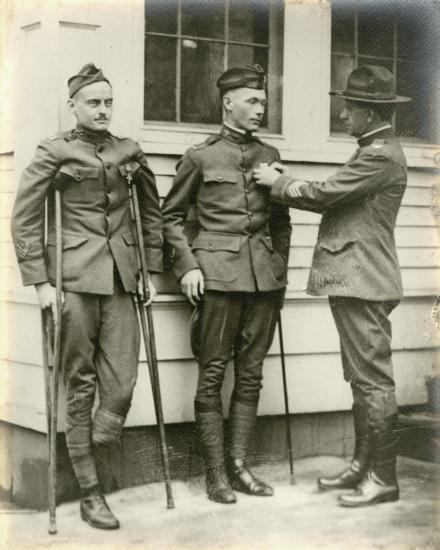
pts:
[371, 84]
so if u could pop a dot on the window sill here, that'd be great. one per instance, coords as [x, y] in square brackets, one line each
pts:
[175, 139]
[418, 154]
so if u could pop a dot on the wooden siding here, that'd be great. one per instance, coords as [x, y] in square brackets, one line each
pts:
[313, 363]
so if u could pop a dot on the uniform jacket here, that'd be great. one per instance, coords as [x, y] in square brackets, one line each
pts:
[242, 242]
[356, 252]
[96, 226]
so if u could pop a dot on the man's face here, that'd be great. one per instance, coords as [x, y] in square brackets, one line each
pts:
[93, 106]
[245, 108]
[356, 118]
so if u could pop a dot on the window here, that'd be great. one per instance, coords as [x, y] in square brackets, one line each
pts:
[189, 43]
[402, 36]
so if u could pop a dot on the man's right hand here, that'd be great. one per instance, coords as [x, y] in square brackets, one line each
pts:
[47, 297]
[193, 285]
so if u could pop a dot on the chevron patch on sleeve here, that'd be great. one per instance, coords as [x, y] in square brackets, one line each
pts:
[23, 249]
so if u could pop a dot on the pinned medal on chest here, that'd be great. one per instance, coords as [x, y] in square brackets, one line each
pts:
[266, 174]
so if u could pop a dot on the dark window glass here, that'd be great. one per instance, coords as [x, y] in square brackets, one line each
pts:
[160, 82]
[375, 30]
[404, 38]
[205, 18]
[249, 21]
[205, 38]
[202, 64]
[161, 16]
[342, 32]
[247, 55]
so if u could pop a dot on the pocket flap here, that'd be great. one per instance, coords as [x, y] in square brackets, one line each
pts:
[72, 241]
[335, 245]
[69, 241]
[220, 176]
[129, 239]
[79, 173]
[130, 166]
[267, 240]
[212, 242]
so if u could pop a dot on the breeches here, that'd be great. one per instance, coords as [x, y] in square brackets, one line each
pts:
[365, 338]
[240, 322]
[100, 348]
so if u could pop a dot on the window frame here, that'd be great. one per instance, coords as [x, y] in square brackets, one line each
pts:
[305, 131]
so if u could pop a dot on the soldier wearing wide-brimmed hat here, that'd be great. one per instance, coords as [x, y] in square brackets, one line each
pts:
[234, 270]
[100, 335]
[355, 264]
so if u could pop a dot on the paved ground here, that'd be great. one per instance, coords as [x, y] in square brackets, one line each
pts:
[297, 518]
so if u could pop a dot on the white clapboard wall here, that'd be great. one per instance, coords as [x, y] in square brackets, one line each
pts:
[313, 364]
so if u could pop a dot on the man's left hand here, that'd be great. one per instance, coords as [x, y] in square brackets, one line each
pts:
[267, 174]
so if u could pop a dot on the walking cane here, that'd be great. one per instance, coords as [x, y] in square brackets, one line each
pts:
[51, 330]
[286, 400]
[146, 318]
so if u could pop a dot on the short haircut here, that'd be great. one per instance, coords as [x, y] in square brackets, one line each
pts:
[384, 111]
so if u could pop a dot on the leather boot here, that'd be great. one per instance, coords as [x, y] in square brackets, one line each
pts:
[242, 420]
[380, 484]
[95, 510]
[210, 428]
[351, 476]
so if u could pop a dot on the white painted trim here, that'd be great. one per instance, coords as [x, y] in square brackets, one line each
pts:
[300, 41]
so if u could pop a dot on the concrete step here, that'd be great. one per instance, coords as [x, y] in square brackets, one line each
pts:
[419, 432]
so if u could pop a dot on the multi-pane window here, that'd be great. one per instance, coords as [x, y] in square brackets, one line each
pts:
[402, 36]
[189, 43]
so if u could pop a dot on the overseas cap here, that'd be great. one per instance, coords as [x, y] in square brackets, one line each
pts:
[371, 84]
[87, 75]
[249, 76]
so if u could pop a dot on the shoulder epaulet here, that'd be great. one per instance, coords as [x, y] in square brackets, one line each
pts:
[59, 135]
[118, 138]
[261, 142]
[208, 141]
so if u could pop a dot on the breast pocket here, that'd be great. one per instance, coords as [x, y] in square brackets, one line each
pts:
[218, 255]
[218, 187]
[78, 183]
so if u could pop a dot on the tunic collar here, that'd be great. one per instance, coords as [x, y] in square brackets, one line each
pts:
[379, 133]
[88, 135]
[235, 135]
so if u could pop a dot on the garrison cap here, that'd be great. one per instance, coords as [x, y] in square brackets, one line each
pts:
[249, 76]
[371, 84]
[87, 75]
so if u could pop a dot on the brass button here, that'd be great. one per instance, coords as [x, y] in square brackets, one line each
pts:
[100, 148]
[219, 178]
[108, 165]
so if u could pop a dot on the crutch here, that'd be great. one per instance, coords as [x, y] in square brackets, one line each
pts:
[146, 319]
[51, 330]
[286, 400]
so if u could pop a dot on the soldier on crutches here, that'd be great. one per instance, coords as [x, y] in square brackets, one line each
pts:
[51, 333]
[98, 347]
[143, 305]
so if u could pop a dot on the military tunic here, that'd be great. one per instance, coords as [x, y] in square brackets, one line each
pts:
[100, 335]
[241, 246]
[355, 260]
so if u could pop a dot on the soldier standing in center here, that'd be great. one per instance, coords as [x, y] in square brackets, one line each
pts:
[234, 272]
